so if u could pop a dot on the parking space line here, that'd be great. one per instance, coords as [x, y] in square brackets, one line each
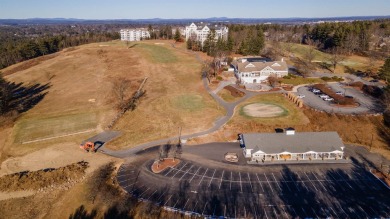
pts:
[126, 174]
[152, 194]
[186, 204]
[169, 171]
[275, 212]
[179, 170]
[185, 173]
[272, 190]
[303, 183]
[203, 176]
[127, 180]
[239, 173]
[277, 183]
[314, 213]
[341, 177]
[175, 203]
[294, 211]
[194, 175]
[360, 207]
[337, 181]
[307, 216]
[212, 177]
[319, 181]
[231, 179]
[295, 183]
[265, 213]
[221, 179]
[193, 209]
[310, 181]
[168, 200]
[285, 212]
[161, 195]
[250, 183]
[335, 214]
[204, 208]
[137, 189]
[345, 213]
[143, 192]
[259, 182]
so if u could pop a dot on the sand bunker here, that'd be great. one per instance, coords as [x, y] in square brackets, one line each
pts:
[263, 110]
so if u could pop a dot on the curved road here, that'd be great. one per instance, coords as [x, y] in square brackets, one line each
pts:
[229, 108]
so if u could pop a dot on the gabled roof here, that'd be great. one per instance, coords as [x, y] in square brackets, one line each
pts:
[259, 66]
[301, 142]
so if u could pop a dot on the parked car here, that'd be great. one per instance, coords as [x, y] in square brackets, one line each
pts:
[323, 96]
[374, 80]
[301, 96]
[339, 93]
[328, 99]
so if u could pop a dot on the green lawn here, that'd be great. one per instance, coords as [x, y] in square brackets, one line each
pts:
[190, 102]
[38, 128]
[157, 53]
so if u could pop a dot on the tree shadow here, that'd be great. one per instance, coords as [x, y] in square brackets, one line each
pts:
[21, 98]
[82, 213]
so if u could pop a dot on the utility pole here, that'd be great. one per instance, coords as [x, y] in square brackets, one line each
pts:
[180, 135]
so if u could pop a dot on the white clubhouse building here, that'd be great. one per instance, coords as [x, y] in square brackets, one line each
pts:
[201, 31]
[255, 70]
[134, 34]
[292, 146]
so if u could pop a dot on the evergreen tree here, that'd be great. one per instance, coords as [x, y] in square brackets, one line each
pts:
[384, 71]
[189, 43]
[177, 36]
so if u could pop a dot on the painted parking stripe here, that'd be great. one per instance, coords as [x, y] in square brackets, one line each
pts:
[295, 183]
[125, 175]
[193, 209]
[194, 175]
[272, 190]
[310, 181]
[231, 179]
[186, 204]
[307, 216]
[158, 200]
[152, 194]
[277, 183]
[127, 180]
[169, 171]
[319, 181]
[179, 170]
[335, 214]
[212, 177]
[259, 182]
[337, 181]
[221, 179]
[168, 199]
[239, 173]
[341, 177]
[301, 180]
[175, 203]
[250, 183]
[144, 192]
[204, 208]
[203, 176]
[186, 172]
[265, 213]
[276, 215]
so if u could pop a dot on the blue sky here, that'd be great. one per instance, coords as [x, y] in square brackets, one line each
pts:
[130, 9]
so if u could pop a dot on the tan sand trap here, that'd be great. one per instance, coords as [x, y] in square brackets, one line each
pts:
[263, 110]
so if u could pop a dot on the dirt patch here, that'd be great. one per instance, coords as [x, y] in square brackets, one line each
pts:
[42, 178]
[234, 92]
[159, 166]
[263, 110]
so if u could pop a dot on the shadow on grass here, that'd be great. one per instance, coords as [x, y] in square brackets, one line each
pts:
[21, 98]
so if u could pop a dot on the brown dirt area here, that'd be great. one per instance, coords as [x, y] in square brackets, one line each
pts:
[159, 166]
[234, 92]
[262, 110]
[35, 180]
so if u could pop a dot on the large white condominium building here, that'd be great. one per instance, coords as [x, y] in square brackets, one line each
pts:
[201, 31]
[134, 34]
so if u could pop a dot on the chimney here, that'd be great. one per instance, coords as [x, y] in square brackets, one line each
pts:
[290, 131]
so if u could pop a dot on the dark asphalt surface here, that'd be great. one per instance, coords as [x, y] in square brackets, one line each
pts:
[198, 186]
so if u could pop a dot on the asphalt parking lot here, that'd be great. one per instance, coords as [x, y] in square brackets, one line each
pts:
[303, 191]
[366, 104]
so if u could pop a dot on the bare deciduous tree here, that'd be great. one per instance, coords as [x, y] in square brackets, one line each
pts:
[336, 57]
[120, 87]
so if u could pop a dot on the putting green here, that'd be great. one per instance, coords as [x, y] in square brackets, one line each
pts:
[263, 110]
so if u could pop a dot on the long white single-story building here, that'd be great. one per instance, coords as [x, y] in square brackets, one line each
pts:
[251, 70]
[292, 146]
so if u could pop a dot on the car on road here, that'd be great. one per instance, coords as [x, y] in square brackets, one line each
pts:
[301, 96]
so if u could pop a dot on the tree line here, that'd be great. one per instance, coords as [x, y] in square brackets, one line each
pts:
[14, 51]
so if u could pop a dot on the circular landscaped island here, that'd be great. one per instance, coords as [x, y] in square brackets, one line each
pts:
[263, 110]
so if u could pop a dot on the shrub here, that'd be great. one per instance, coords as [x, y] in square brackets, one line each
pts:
[287, 77]
[326, 78]
[219, 78]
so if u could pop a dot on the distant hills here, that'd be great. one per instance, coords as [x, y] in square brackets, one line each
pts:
[296, 20]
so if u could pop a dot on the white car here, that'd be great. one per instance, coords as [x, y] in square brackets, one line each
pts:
[301, 96]
[324, 96]
[339, 93]
[328, 99]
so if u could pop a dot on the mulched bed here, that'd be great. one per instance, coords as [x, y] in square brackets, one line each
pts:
[159, 166]
[234, 92]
